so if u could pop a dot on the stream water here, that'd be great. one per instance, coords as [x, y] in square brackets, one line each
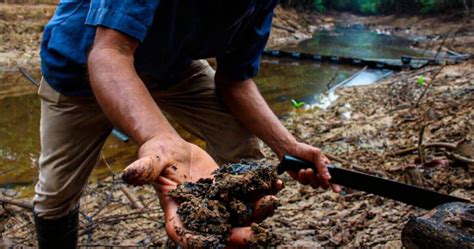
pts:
[359, 42]
[280, 81]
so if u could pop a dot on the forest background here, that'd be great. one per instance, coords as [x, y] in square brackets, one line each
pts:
[383, 6]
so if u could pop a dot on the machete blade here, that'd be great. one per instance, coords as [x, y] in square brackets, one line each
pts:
[394, 190]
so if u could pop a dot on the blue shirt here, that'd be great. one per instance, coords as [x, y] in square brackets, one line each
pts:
[171, 33]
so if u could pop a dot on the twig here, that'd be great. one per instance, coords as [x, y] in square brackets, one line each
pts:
[459, 157]
[333, 77]
[426, 70]
[108, 165]
[104, 205]
[109, 246]
[18, 203]
[425, 90]
[28, 77]
[114, 218]
[421, 147]
[348, 164]
[10, 231]
[284, 28]
[139, 212]
[337, 159]
[436, 55]
[430, 145]
[134, 201]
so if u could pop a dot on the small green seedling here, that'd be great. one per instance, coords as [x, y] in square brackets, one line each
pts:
[297, 104]
[421, 80]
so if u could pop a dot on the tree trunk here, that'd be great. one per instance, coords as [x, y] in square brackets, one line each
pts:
[448, 226]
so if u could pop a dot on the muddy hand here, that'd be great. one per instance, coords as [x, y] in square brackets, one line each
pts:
[177, 232]
[165, 164]
[309, 176]
[175, 228]
[179, 160]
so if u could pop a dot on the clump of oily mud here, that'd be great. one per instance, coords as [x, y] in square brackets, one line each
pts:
[209, 209]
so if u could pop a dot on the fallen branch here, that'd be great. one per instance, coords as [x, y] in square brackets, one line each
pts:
[18, 203]
[430, 145]
[459, 158]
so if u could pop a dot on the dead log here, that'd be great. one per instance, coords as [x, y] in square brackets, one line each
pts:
[448, 226]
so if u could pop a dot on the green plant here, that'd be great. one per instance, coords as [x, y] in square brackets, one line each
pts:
[421, 80]
[318, 5]
[368, 6]
[427, 6]
[296, 104]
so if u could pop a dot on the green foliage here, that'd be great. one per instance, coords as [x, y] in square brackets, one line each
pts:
[344, 5]
[381, 6]
[427, 6]
[421, 80]
[359, 6]
[368, 6]
[318, 5]
[296, 104]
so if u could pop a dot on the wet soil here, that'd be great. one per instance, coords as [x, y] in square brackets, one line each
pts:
[210, 208]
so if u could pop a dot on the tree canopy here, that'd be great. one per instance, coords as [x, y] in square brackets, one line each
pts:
[383, 6]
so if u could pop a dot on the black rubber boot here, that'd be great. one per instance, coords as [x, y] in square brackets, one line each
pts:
[58, 233]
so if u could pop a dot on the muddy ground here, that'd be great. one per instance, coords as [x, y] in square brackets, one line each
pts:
[368, 128]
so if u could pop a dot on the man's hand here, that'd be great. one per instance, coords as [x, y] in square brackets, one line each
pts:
[246, 103]
[319, 178]
[165, 163]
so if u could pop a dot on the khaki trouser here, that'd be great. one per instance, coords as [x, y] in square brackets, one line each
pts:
[74, 129]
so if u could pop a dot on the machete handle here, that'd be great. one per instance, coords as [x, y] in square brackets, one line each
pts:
[295, 164]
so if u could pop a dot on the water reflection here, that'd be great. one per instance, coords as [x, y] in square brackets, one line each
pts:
[280, 81]
[357, 41]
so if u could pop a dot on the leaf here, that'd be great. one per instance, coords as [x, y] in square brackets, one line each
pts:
[421, 80]
[297, 104]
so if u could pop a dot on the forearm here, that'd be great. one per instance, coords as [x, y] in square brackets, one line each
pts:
[123, 96]
[247, 104]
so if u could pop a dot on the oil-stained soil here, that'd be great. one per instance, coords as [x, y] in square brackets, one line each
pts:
[209, 209]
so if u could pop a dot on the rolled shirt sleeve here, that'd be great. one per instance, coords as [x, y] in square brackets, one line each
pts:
[131, 17]
[243, 62]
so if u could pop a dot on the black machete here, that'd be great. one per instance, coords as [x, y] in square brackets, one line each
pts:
[394, 190]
